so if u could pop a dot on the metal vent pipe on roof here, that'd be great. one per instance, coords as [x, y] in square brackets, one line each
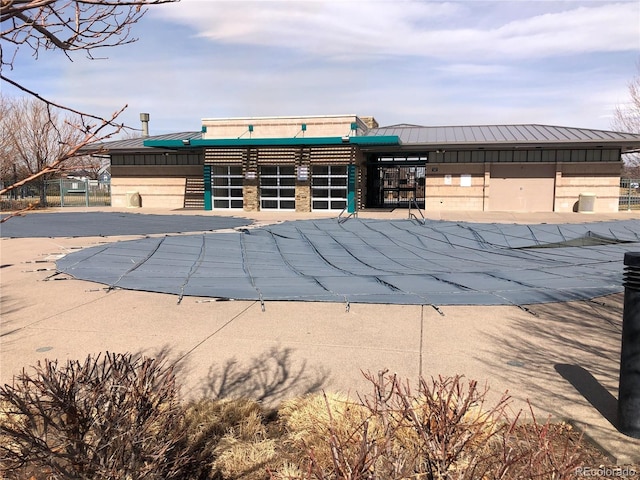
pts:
[144, 118]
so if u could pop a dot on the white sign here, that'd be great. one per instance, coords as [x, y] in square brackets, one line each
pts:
[465, 180]
[303, 173]
[447, 179]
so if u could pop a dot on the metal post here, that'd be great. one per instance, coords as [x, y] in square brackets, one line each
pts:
[208, 201]
[351, 189]
[86, 192]
[629, 387]
[61, 193]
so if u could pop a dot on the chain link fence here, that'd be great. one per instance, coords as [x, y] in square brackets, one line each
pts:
[629, 194]
[63, 192]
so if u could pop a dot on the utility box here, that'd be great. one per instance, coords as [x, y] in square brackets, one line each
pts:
[587, 203]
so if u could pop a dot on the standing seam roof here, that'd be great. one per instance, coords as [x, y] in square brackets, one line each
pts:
[531, 133]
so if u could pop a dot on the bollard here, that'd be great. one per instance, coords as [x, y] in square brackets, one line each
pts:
[629, 386]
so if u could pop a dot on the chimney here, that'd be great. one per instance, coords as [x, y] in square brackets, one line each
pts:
[144, 118]
[370, 122]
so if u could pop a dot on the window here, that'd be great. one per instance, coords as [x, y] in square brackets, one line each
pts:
[226, 186]
[277, 187]
[329, 187]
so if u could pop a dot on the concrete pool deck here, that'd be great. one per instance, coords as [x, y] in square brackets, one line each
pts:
[561, 357]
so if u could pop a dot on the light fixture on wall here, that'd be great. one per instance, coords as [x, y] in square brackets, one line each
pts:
[303, 128]
[249, 131]
[186, 141]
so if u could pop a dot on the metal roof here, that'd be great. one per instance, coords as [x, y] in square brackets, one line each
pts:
[136, 144]
[416, 136]
[504, 135]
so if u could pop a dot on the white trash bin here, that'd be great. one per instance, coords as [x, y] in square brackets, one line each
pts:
[133, 200]
[587, 203]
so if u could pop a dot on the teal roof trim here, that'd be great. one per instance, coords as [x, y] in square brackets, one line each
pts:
[246, 142]
[378, 140]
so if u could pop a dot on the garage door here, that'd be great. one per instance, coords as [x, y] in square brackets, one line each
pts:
[522, 188]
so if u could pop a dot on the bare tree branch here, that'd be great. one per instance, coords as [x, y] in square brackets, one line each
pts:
[72, 24]
[64, 107]
[626, 118]
[70, 147]
[66, 26]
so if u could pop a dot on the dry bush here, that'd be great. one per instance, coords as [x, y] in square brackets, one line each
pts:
[111, 416]
[442, 431]
[246, 450]
[118, 416]
[230, 438]
[315, 423]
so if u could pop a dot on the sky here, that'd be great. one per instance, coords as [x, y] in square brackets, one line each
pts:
[473, 62]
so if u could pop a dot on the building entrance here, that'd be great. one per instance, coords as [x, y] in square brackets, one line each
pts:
[396, 185]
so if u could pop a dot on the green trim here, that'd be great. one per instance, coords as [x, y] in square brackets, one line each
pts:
[208, 205]
[242, 142]
[351, 188]
[376, 140]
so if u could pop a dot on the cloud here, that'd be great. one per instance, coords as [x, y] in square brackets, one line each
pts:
[424, 62]
[359, 29]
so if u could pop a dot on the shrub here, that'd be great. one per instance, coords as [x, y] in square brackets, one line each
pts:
[119, 417]
[228, 438]
[111, 416]
[319, 427]
[442, 431]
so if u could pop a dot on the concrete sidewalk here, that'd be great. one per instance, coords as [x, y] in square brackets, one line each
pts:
[563, 358]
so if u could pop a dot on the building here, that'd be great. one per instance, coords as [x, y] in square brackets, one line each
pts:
[333, 162]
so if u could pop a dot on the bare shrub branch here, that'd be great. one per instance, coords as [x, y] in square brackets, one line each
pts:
[66, 26]
[111, 416]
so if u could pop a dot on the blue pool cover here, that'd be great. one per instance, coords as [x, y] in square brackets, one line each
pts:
[101, 224]
[373, 261]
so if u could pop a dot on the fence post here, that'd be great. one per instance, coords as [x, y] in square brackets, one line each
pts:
[61, 194]
[86, 192]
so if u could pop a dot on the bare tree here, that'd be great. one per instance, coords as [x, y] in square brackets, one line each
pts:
[66, 26]
[34, 137]
[627, 119]
[69, 25]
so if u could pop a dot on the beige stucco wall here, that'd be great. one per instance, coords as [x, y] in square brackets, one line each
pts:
[522, 187]
[544, 187]
[601, 179]
[280, 127]
[159, 187]
[447, 187]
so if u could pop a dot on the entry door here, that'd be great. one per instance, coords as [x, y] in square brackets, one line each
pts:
[400, 184]
[522, 187]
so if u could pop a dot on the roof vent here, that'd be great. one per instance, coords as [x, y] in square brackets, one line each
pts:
[144, 119]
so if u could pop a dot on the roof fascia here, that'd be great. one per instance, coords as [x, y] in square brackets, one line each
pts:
[279, 142]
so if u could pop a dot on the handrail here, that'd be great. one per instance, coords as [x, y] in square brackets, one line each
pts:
[342, 219]
[414, 216]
